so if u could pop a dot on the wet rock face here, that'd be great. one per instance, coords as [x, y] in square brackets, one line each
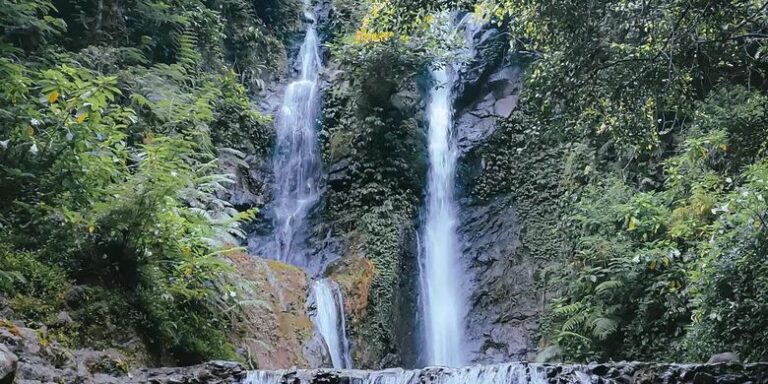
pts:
[487, 89]
[504, 302]
[634, 372]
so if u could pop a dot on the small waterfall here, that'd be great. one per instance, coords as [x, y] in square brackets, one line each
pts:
[296, 163]
[491, 374]
[510, 373]
[393, 376]
[440, 265]
[330, 321]
[263, 377]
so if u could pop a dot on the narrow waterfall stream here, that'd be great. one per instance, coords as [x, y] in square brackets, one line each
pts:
[330, 321]
[296, 162]
[441, 272]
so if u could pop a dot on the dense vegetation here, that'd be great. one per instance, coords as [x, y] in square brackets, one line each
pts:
[637, 161]
[657, 112]
[113, 117]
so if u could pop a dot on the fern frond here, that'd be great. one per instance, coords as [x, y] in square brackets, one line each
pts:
[607, 286]
[188, 56]
[575, 321]
[602, 327]
[569, 309]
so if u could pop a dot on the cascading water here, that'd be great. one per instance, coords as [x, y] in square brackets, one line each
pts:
[510, 373]
[330, 321]
[442, 296]
[297, 171]
[264, 377]
[295, 163]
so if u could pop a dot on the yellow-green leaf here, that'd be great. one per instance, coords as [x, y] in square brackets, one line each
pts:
[53, 96]
[632, 223]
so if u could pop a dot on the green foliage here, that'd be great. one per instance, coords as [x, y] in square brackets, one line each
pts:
[646, 124]
[372, 142]
[731, 275]
[109, 173]
[375, 200]
[633, 70]
[638, 258]
[33, 287]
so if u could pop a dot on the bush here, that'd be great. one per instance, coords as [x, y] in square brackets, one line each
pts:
[35, 289]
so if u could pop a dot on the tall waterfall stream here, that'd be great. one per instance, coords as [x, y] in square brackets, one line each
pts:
[296, 162]
[442, 294]
[443, 304]
[296, 168]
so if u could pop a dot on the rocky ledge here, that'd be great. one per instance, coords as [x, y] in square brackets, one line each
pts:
[524, 373]
[214, 372]
[221, 372]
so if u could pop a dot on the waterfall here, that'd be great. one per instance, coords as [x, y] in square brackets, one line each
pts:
[441, 274]
[295, 163]
[510, 373]
[442, 293]
[330, 321]
[393, 376]
[296, 168]
[264, 377]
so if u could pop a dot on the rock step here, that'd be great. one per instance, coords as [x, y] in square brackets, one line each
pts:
[529, 373]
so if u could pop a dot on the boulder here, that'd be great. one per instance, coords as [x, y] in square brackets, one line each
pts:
[725, 357]
[63, 319]
[8, 365]
[214, 372]
[109, 361]
[504, 107]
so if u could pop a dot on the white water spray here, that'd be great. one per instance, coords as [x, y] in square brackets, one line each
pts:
[510, 373]
[296, 162]
[441, 272]
[264, 377]
[330, 321]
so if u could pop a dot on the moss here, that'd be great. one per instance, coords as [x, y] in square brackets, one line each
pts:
[11, 327]
[372, 205]
[354, 274]
[274, 326]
